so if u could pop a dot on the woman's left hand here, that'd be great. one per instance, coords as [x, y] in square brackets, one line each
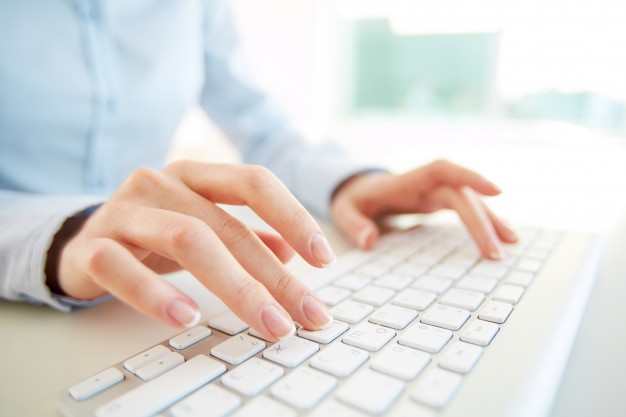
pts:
[365, 198]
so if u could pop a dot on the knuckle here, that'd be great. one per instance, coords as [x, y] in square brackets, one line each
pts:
[283, 283]
[234, 231]
[440, 164]
[144, 179]
[176, 166]
[257, 176]
[298, 217]
[247, 291]
[97, 259]
[186, 233]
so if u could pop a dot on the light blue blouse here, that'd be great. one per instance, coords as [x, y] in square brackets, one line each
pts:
[92, 89]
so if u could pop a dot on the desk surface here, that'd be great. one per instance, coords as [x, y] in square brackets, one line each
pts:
[44, 351]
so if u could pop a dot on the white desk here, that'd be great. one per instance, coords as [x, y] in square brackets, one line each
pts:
[44, 351]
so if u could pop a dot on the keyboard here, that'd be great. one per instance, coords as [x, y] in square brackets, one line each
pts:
[423, 327]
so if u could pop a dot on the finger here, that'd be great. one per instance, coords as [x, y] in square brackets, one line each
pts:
[472, 213]
[259, 189]
[115, 269]
[362, 230]
[277, 245]
[448, 173]
[503, 230]
[257, 259]
[196, 247]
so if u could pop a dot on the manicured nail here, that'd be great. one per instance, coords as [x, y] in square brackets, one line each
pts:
[183, 313]
[495, 255]
[322, 251]
[277, 322]
[316, 312]
[364, 236]
[494, 187]
[512, 235]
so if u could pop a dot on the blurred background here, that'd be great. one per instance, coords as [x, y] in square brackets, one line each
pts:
[530, 93]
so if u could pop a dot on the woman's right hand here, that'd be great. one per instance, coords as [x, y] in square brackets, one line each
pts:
[157, 222]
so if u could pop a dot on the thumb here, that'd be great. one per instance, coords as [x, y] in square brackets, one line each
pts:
[359, 228]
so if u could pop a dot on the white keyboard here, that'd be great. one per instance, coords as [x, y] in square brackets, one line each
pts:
[414, 321]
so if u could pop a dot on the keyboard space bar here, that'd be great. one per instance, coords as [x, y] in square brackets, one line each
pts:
[162, 392]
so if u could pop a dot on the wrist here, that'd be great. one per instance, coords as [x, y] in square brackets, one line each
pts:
[68, 230]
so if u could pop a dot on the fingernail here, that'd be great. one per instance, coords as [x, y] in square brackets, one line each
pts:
[322, 251]
[277, 322]
[512, 235]
[497, 253]
[495, 187]
[316, 312]
[363, 237]
[183, 313]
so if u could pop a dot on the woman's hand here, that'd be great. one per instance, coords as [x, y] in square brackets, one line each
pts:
[162, 221]
[359, 202]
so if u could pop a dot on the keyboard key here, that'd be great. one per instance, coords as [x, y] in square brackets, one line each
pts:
[460, 357]
[252, 377]
[411, 269]
[370, 391]
[303, 388]
[451, 318]
[400, 361]
[496, 312]
[353, 282]
[160, 366]
[509, 294]
[432, 284]
[339, 359]
[333, 295]
[369, 336]
[424, 337]
[146, 357]
[415, 299]
[228, 323]
[448, 271]
[264, 407]
[327, 335]
[480, 332]
[390, 258]
[436, 388]
[89, 387]
[477, 283]
[160, 393]
[332, 408]
[490, 269]
[373, 295]
[372, 269]
[464, 259]
[237, 349]
[412, 409]
[538, 253]
[528, 265]
[427, 258]
[394, 281]
[393, 316]
[291, 352]
[521, 278]
[457, 297]
[208, 401]
[189, 337]
[351, 311]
